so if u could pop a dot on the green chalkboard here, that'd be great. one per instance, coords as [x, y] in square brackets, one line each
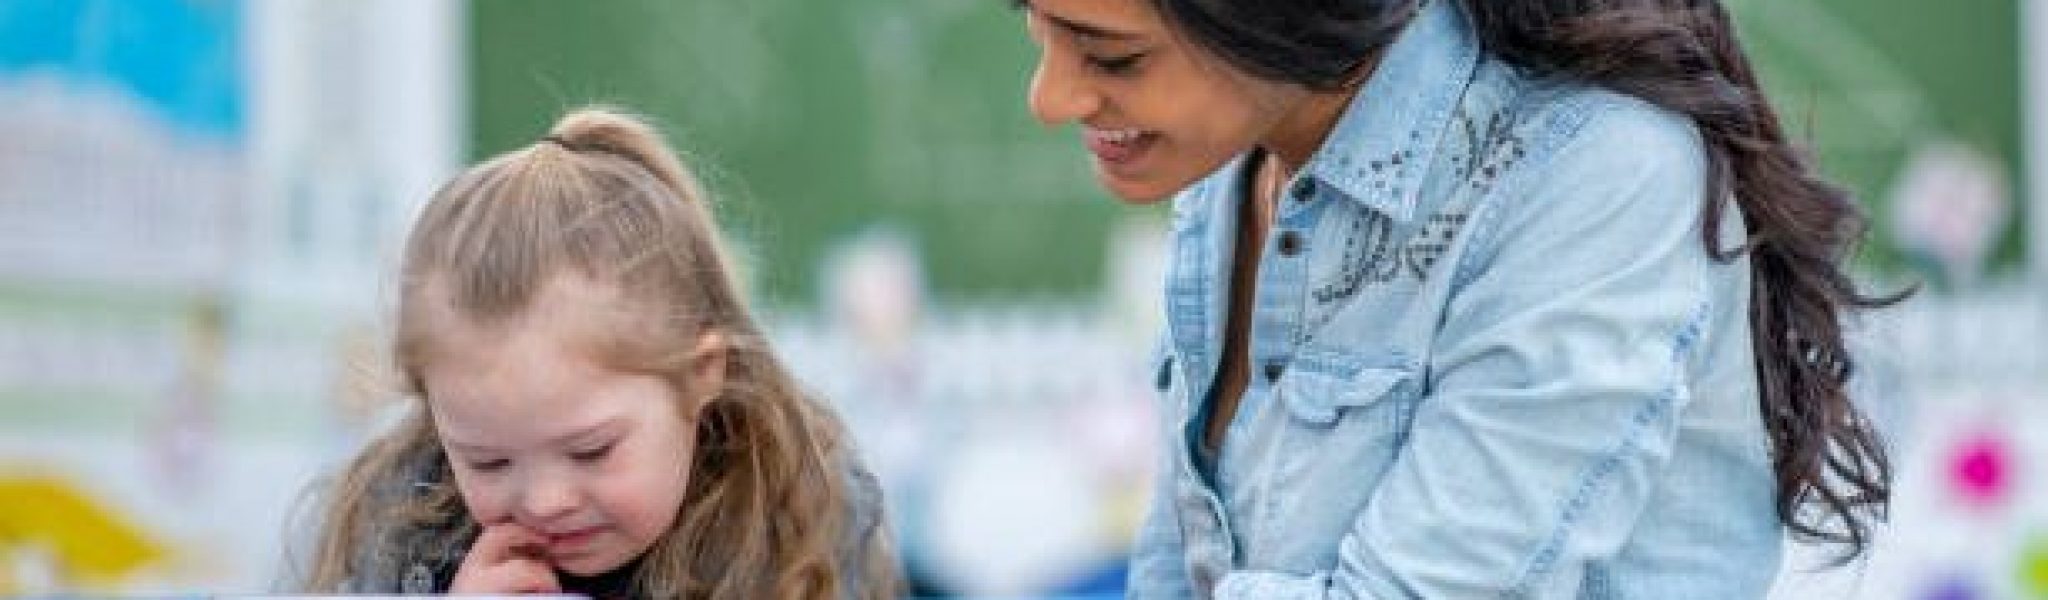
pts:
[1864, 81]
[816, 119]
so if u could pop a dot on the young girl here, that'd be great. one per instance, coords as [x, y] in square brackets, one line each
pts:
[1474, 298]
[597, 411]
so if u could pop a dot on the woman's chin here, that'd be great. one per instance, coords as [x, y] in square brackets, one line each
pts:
[1132, 191]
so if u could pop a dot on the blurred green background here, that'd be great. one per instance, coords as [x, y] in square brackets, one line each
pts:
[1862, 80]
[816, 119]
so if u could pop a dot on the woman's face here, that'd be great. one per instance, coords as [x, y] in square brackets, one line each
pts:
[1156, 111]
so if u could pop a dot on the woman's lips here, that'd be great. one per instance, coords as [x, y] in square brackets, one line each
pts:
[1117, 147]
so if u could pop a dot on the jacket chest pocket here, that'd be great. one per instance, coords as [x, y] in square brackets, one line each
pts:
[1320, 387]
[1342, 420]
[1319, 396]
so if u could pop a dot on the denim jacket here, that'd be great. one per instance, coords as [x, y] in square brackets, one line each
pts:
[1491, 357]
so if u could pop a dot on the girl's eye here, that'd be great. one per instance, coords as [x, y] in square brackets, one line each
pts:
[593, 454]
[489, 466]
[1116, 65]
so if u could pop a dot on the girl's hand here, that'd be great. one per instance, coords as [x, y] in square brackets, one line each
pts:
[506, 559]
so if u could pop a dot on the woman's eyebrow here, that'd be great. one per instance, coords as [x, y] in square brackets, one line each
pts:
[1081, 28]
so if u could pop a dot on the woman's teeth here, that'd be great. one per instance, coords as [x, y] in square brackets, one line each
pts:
[1117, 136]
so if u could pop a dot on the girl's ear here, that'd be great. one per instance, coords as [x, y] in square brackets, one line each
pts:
[707, 366]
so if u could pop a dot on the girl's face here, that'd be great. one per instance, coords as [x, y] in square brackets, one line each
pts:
[540, 436]
[1157, 112]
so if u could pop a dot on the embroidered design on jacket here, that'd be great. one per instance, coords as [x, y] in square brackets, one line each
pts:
[1372, 255]
[1432, 242]
[1369, 256]
[1491, 148]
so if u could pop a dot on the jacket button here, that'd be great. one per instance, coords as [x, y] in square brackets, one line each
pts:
[1273, 371]
[1304, 192]
[1290, 243]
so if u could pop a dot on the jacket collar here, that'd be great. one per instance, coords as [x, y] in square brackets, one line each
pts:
[1380, 148]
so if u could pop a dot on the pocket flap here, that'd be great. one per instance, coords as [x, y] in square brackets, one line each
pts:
[1315, 387]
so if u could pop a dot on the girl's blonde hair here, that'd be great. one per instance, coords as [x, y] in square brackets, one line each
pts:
[601, 197]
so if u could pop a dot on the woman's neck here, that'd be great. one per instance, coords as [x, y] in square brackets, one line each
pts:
[1295, 138]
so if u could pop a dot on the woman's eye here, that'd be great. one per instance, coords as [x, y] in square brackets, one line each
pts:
[593, 454]
[1116, 65]
[489, 466]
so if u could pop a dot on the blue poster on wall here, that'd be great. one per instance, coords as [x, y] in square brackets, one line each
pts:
[122, 128]
[179, 59]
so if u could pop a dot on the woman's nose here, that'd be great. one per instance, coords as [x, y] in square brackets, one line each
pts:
[1057, 95]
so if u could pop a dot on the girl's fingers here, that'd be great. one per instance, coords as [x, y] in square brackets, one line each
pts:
[517, 576]
[533, 577]
[506, 558]
[506, 541]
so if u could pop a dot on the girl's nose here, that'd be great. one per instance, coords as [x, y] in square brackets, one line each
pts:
[546, 499]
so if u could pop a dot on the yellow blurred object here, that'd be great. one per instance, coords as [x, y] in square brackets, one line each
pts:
[2034, 569]
[91, 545]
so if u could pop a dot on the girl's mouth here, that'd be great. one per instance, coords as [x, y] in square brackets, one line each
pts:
[572, 539]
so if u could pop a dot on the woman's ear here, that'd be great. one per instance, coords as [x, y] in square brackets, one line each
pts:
[707, 366]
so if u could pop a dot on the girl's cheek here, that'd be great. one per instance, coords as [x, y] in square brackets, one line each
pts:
[486, 502]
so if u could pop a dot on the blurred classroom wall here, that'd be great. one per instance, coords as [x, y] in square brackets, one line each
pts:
[200, 200]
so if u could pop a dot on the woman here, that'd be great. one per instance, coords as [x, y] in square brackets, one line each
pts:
[1474, 298]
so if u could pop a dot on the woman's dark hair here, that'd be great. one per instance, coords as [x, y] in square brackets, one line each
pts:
[1832, 471]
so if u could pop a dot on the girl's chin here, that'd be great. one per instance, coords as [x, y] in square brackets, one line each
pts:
[587, 565]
